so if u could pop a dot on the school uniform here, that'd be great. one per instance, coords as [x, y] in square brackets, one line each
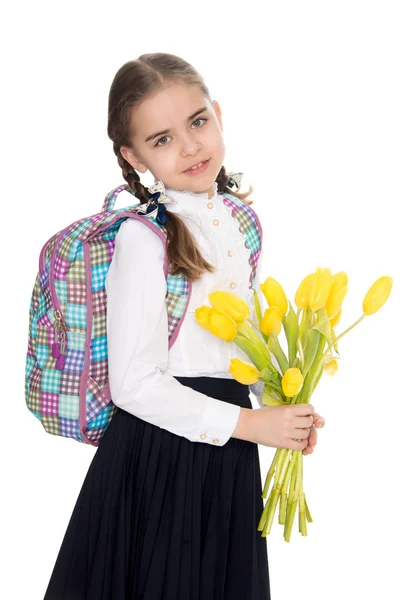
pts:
[170, 504]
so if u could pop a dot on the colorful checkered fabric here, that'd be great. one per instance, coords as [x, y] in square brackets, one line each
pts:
[66, 380]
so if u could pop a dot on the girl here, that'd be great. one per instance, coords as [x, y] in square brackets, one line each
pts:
[171, 502]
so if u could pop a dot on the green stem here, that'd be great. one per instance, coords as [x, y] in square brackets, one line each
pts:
[294, 475]
[308, 514]
[261, 523]
[270, 473]
[350, 328]
[290, 518]
[301, 351]
[275, 493]
[279, 464]
[302, 507]
[293, 499]
[293, 400]
[282, 508]
[283, 503]
[254, 324]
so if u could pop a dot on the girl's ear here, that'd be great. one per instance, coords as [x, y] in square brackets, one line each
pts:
[133, 159]
[218, 112]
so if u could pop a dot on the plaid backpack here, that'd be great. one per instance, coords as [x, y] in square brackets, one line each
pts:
[66, 376]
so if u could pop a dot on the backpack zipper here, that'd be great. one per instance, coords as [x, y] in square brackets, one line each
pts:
[58, 350]
[60, 326]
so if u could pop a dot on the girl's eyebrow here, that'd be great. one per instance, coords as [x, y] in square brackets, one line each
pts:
[154, 135]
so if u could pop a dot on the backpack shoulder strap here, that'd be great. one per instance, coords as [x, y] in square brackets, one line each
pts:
[249, 226]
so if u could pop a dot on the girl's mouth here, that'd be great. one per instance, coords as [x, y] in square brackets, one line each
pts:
[200, 169]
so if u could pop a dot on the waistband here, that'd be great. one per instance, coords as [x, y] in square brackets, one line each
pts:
[217, 387]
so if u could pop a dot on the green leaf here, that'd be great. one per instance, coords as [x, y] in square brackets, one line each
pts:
[275, 347]
[274, 378]
[313, 337]
[309, 380]
[256, 357]
[324, 327]
[305, 324]
[270, 399]
[257, 307]
[317, 379]
[291, 327]
[247, 331]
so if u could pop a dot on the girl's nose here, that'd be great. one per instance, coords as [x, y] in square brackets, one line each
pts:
[189, 145]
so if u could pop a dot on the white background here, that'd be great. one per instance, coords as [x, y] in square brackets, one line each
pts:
[310, 96]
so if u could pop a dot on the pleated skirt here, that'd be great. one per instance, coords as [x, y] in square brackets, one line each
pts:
[159, 517]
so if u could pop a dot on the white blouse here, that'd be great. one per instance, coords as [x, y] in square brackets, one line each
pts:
[141, 368]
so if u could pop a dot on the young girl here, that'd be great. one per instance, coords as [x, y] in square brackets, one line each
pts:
[171, 502]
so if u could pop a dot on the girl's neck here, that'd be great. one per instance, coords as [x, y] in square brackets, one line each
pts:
[175, 193]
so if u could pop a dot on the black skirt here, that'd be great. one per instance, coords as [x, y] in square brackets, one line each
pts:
[160, 517]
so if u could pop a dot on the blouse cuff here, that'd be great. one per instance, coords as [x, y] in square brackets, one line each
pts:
[218, 422]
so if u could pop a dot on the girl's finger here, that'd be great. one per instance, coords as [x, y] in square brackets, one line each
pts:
[318, 420]
[312, 438]
[308, 450]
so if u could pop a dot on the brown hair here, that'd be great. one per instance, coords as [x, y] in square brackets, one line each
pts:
[131, 84]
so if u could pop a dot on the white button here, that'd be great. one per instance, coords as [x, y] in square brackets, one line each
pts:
[215, 222]
[210, 205]
[215, 441]
[230, 252]
[232, 285]
[203, 436]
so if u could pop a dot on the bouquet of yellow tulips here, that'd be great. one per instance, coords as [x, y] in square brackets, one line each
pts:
[311, 341]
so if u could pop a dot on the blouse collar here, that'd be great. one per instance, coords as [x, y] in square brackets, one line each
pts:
[188, 199]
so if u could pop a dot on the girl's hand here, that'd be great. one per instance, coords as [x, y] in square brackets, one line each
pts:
[279, 426]
[312, 438]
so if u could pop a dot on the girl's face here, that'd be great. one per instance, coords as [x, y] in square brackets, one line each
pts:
[193, 135]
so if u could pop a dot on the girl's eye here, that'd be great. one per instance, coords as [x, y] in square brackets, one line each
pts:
[165, 136]
[199, 119]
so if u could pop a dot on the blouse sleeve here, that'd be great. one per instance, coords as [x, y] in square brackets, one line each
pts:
[137, 333]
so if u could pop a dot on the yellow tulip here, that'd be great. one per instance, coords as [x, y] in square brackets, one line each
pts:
[341, 279]
[202, 315]
[222, 325]
[271, 321]
[337, 294]
[292, 382]
[320, 288]
[331, 367]
[335, 320]
[274, 294]
[217, 322]
[232, 304]
[302, 296]
[243, 372]
[377, 295]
